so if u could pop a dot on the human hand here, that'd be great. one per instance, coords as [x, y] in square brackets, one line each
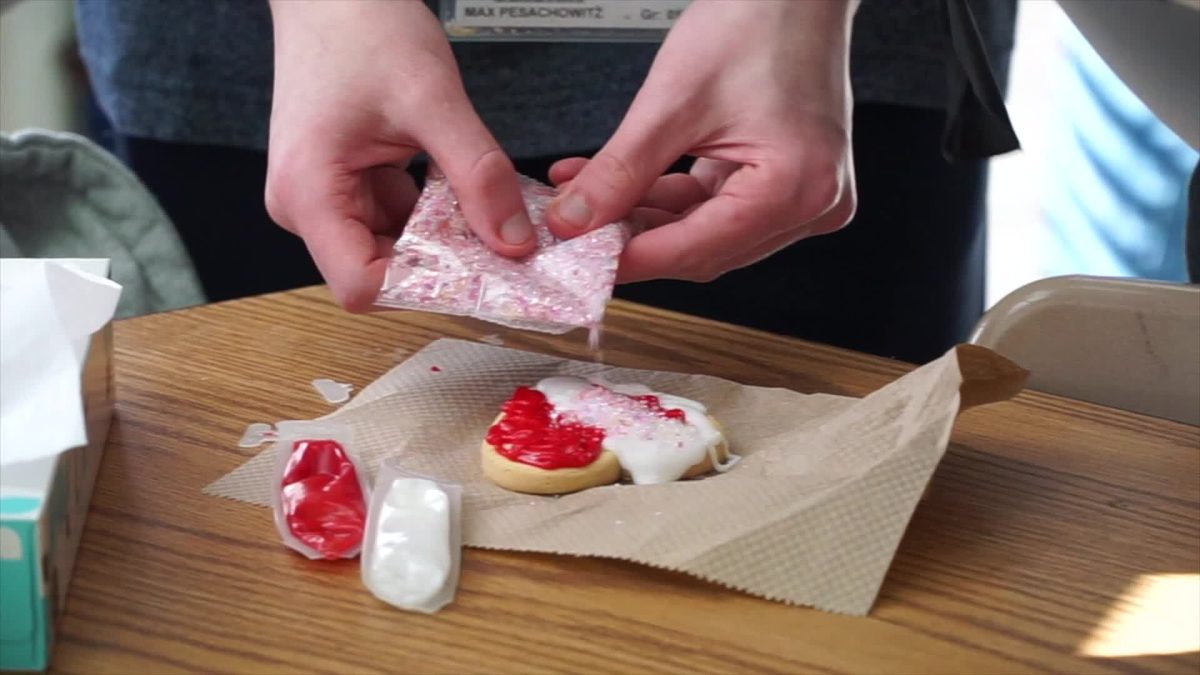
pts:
[760, 92]
[360, 89]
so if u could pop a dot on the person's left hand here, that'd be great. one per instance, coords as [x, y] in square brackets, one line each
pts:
[760, 92]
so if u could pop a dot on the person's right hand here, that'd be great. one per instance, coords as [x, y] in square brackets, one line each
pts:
[360, 89]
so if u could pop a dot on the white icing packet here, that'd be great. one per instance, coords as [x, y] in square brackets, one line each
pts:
[413, 548]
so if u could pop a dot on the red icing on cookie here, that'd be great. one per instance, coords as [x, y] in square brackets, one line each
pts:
[655, 405]
[531, 433]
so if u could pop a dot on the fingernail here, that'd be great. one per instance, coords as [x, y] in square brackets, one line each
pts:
[574, 211]
[516, 230]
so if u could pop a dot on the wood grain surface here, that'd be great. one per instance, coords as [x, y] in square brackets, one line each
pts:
[1044, 516]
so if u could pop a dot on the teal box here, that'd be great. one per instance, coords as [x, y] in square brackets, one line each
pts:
[43, 506]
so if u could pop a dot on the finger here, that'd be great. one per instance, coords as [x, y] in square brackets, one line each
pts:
[615, 180]
[712, 173]
[351, 258]
[675, 192]
[690, 247]
[482, 176]
[394, 192]
[742, 216]
[740, 226]
[765, 249]
[565, 170]
[328, 209]
[644, 219]
[828, 222]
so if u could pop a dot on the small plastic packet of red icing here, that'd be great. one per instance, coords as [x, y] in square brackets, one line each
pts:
[439, 265]
[319, 491]
[413, 549]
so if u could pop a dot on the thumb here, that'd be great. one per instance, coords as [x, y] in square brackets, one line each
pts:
[614, 181]
[483, 178]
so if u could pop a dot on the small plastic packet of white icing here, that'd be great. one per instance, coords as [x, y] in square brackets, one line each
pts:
[319, 490]
[413, 548]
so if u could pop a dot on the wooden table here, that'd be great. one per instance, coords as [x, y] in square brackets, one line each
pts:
[1045, 514]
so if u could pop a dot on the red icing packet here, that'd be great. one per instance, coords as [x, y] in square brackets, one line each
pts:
[319, 490]
[439, 265]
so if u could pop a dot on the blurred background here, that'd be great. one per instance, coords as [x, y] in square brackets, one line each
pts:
[1099, 187]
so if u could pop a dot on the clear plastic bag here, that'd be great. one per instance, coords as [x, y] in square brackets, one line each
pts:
[413, 549]
[319, 490]
[439, 265]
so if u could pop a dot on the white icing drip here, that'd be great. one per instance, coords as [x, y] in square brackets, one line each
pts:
[652, 448]
[731, 460]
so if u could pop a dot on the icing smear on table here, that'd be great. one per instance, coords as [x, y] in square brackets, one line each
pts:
[332, 391]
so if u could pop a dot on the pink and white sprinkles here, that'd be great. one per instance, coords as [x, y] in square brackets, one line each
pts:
[625, 415]
[439, 265]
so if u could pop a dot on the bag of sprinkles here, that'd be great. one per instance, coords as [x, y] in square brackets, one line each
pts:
[413, 549]
[439, 265]
[319, 491]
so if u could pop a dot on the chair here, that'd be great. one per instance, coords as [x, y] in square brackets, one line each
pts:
[62, 196]
[1125, 343]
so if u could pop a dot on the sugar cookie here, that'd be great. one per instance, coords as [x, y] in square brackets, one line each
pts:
[568, 434]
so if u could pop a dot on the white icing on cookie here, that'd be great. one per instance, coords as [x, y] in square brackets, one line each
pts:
[652, 448]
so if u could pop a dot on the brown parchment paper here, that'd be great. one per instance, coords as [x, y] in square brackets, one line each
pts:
[812, 515]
